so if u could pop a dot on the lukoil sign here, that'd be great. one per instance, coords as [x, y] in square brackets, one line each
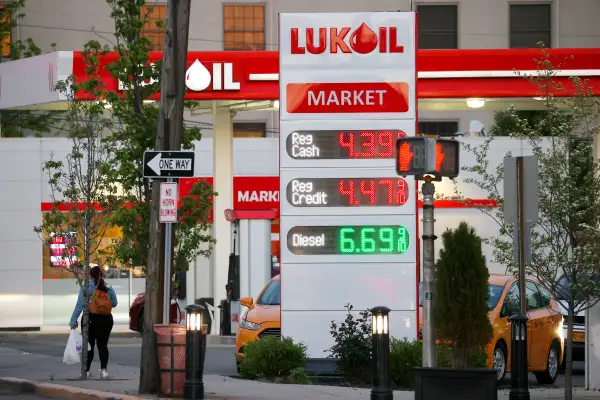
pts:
[362, 40]
[199, 78]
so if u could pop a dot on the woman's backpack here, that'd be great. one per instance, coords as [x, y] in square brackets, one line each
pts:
[100, 302]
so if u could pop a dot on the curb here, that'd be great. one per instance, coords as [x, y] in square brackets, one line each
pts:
[16, 385]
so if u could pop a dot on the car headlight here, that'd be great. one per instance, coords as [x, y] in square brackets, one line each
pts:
[245, 324]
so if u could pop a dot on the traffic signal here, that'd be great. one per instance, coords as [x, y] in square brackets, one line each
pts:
[425, 156]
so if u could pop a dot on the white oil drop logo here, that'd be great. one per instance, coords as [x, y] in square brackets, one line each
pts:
[197, 77]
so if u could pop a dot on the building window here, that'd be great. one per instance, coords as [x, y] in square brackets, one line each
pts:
[438, 26]
[6, 27]
[249, 129]
[529, 25]
[154, 17]
[438, 128]
[243, 27]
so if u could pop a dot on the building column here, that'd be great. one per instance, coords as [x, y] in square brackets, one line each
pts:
[223, 184]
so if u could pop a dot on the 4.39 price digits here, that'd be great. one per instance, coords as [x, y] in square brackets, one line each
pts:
[369, 144]
[373, 240]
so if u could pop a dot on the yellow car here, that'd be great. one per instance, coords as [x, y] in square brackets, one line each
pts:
[544, 328]
[263, 317]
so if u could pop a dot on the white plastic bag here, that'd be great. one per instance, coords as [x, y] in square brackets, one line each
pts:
[73, 349]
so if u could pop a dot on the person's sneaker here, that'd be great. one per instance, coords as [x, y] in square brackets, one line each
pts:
[89, 374]
[103, 374]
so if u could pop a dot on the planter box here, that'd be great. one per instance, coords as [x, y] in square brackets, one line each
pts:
[455, 384]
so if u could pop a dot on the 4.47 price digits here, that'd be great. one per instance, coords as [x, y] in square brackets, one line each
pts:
[373, 240]
[369, 144]
[393, 192]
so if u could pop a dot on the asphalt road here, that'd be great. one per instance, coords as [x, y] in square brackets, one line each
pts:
[220, 359]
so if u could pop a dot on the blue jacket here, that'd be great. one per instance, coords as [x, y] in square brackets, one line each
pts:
[81, 300]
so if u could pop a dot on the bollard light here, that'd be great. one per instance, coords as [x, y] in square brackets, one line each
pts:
[195, 349]
[519, 383]
[380, 361]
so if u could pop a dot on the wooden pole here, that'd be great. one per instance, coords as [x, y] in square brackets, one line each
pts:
[172, 89]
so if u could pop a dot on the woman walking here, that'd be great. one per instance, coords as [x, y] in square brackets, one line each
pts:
[102, 300]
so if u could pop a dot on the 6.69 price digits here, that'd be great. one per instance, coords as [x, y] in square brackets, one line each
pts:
[373, 240]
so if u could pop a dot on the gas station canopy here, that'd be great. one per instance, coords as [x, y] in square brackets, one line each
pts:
[446, 78]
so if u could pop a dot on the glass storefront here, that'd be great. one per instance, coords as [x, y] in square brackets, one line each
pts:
[60, 287]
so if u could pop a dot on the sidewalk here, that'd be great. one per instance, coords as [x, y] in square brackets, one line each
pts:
[124, 382]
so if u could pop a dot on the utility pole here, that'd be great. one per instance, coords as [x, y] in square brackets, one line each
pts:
[168, 137]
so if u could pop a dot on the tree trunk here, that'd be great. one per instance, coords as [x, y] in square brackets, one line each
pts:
[569, 366]
[149, 363]
[85, 320]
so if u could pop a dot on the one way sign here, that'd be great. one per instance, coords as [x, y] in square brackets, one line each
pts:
[168, 164]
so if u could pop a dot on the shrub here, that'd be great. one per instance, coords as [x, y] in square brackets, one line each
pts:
[461, 305]
[272, 358]
[352, 348]
[406, 354]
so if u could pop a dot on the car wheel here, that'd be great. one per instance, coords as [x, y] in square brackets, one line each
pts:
[548, 376]
[500, 361]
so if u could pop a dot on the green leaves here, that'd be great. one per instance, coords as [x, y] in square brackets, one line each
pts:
[561, 135]
[461, 279]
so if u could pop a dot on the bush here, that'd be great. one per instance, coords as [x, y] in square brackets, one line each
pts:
[352, 348]
[407, 354]
[272, 358]
[461, 282]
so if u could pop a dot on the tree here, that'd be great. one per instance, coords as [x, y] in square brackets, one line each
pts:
[14, 123]
[134, 117]
[461, 280]
[80, 184]
[565, 240]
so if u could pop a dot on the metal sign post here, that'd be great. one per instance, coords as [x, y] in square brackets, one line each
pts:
[169, 165]
[428, 159]
[520, 210]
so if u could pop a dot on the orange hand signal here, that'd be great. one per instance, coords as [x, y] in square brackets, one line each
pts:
[405, 156]
[439, 157]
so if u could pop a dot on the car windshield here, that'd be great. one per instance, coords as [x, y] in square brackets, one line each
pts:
[271, 296]
[494, 291]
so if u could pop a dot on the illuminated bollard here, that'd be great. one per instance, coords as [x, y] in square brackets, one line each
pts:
[195, 348]
[380, 361]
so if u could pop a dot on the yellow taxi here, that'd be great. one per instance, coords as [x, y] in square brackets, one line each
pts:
[263, 317]
[544, 328]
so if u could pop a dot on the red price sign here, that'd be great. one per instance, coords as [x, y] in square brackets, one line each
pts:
[343, 144]
[347, 192]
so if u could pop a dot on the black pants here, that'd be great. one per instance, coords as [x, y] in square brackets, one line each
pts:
[99, 333]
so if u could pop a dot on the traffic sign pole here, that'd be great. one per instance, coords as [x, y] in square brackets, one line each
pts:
[429, 353]
[168, 258]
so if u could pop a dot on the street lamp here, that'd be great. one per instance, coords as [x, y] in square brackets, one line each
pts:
[380, 362]
[195, 349]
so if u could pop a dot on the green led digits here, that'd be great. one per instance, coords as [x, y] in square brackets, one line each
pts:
[386, 238]
[347, 244]
[366, 240]
[402, 239]
[367, 244]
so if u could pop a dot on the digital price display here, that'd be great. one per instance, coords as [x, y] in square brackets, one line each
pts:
[347, 192]
[62, 249]
[349, 240]
[342, 144]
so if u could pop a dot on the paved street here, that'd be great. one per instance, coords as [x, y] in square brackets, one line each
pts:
[220, 359]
